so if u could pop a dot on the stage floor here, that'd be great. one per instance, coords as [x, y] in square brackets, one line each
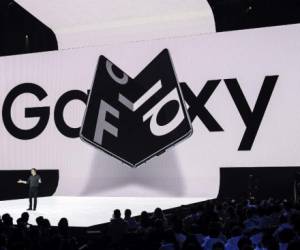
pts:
[88, 211]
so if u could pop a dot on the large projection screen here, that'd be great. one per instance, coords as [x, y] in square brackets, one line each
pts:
[250, 118]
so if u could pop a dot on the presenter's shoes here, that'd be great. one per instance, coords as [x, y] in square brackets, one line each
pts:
[28, 209]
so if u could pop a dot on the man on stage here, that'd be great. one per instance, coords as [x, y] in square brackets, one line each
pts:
[34, 180]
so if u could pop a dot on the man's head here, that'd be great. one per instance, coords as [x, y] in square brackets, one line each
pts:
[25, 217]
[33, 171]
[127, 213]
[117, 214]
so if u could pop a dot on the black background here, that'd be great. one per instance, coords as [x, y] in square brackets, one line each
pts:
[277, 182]
[15, 24]
[10, 189]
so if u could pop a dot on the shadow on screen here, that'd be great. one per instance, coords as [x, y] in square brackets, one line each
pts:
[161, 175]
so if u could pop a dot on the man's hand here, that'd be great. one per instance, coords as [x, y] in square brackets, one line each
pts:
[20, 181]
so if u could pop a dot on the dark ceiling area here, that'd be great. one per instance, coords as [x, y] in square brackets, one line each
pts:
[246, 14]
[20, 32]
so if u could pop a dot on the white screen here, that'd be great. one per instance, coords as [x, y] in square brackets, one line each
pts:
[191, 168]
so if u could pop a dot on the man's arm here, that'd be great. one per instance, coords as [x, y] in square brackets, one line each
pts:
[40, 180]
[21, 181]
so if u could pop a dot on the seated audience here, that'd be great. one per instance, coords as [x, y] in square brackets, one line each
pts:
[213, 225]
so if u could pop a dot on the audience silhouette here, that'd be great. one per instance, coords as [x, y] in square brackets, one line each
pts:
[212, 225]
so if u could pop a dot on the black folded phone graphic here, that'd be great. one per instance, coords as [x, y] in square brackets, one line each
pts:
[134, 119]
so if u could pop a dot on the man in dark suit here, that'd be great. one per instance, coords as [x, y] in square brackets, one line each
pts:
[34, 180]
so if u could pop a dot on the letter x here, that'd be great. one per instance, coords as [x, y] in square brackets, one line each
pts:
[197, 103]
